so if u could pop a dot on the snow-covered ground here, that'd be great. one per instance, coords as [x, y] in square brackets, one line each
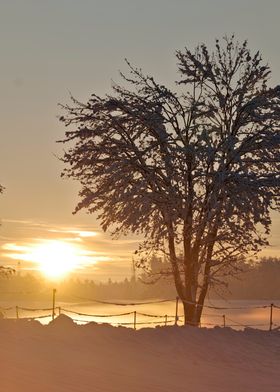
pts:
[63, 356]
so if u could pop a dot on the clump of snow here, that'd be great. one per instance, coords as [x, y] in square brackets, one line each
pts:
[64, 356]
[62, 321]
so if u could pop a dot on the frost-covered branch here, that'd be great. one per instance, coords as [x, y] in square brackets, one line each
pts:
[194, 169]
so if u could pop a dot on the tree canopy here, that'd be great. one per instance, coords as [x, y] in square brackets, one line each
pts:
[195, 169]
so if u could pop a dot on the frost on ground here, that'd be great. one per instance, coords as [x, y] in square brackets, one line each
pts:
[63, 356]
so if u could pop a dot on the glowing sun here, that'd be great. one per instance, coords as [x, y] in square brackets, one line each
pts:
[55, 258]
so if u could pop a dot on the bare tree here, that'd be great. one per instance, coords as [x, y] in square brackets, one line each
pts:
[195, 171]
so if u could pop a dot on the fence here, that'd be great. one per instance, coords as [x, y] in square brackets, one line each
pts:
[146, 319]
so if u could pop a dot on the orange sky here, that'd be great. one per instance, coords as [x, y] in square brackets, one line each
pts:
[51, 48]
[100, 257]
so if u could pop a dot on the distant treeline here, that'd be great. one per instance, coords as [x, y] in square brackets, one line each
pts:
[257, 282]
[261, 281]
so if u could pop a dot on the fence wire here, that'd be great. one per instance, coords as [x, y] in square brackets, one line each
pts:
[158, 319]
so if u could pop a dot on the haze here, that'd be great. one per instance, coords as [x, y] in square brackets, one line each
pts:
[51, 48]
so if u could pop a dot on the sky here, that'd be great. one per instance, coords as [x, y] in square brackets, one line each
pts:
[50, 49]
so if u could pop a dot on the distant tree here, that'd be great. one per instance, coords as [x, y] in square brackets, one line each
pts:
[195, 171]
[259, 280]
[6, 271]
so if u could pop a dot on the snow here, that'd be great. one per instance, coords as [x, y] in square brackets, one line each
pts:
[64, 356]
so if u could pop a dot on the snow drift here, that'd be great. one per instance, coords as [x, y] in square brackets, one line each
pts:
[63, 356]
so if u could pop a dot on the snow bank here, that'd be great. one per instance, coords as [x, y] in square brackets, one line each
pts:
[63, 356]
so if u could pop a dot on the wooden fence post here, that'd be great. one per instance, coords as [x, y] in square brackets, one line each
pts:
[134, 320]
[176, 311]
[271, 317]
[53, 304]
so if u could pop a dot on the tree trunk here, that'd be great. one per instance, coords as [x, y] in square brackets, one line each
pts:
[191, 316]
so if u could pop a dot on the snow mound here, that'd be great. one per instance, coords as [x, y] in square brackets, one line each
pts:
[62, 321]
[64, 357]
